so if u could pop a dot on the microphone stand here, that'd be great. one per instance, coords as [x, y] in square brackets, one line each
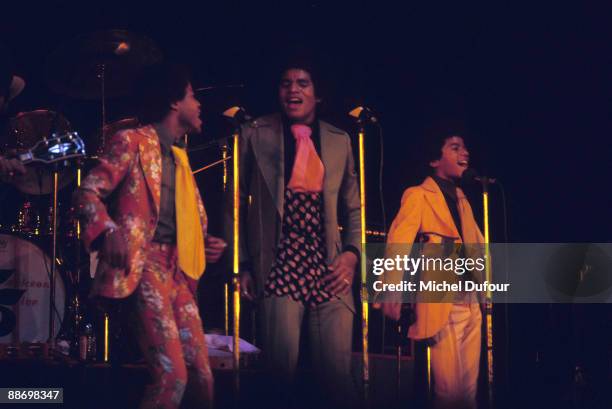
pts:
[224, 158]
[484, 181]
[236, 255]
[215, 163]
[365, 115]
[363, 262]
[237, 115]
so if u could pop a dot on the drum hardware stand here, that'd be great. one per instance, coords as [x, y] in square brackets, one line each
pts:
[77, 307]
[102, 76]
[75, 304]
[51, 340]
[54, 256]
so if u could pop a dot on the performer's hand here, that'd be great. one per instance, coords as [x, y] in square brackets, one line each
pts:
[214, 248]
[10, 167]
[114, 249]
[247, 286]
[342, 270]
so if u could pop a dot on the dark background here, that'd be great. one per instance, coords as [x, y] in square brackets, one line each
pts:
[531, 81]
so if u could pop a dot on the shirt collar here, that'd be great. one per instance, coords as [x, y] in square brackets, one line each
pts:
[287, 126]
[447, 187]
[165, 138]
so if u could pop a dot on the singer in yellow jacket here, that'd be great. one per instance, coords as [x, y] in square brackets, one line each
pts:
[438, 211]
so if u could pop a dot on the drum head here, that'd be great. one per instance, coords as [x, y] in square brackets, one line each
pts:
[95, 144]
[26, 267]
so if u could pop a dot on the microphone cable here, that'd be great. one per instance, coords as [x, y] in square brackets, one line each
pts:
[506, 272]
[380, 177]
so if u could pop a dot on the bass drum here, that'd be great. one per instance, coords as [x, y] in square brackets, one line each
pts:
[25, 294]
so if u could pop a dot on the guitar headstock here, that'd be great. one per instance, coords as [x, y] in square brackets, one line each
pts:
[55, 149]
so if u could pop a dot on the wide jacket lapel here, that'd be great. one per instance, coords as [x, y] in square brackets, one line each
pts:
[439, 207]
[150, 161]
[332, 156]
[471, 231]
[269, 150]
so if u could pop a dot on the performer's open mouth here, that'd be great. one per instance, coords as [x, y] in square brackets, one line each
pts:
[293, 102]
[463, 163]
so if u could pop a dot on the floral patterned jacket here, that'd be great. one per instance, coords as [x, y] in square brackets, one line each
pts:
[123, 192]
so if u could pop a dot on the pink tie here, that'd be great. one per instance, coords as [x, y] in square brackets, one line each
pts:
[308, 171]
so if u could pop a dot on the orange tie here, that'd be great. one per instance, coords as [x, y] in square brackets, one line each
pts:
[308, 171]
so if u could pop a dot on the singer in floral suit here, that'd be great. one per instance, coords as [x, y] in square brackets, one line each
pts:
[128, 205]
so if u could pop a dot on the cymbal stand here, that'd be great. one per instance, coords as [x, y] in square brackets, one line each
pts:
[77, 268]
[52, 279]
[102, 77]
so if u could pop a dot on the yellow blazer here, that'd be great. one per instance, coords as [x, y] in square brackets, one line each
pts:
[424, 210]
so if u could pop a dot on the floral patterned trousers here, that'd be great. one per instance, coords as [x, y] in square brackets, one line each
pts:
[170, 333]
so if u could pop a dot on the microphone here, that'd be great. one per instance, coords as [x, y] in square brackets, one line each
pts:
[471, 175]
[363, 114]
[122, 48]
[215, 87]
[207, 145]
[237, 114]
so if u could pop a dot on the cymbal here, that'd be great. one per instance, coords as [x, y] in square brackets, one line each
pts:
[94, 144]
[24, 131]
[75, 69]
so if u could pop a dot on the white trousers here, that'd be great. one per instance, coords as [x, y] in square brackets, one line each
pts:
[455, 358]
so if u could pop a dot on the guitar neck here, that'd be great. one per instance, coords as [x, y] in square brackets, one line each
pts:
[26, 157]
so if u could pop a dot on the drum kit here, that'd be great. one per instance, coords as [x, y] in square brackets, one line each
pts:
[40, 254]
